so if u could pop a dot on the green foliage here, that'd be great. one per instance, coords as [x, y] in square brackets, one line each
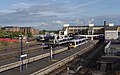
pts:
[42, 32]
[7, 34]
[49, 31]
[29, 34]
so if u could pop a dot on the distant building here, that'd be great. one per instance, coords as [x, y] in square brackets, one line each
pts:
[26, 30]
[66, 29]
[11, 28]
[91, 29]
[111, 32]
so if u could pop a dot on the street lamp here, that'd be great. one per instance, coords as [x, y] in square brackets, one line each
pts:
[22, 55]
[21, 44]
[21, 51]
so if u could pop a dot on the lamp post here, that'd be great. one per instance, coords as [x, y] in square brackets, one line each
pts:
[21, 44]
[21, 51]
[104, 31]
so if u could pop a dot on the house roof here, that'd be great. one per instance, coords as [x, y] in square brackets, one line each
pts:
[111, 28]
[25, 27]
[10, 27]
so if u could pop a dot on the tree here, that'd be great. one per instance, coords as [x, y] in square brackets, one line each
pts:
[16, 34]
[42, 32]
[29, 34]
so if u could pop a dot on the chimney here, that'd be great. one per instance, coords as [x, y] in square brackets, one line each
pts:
[104, 23]
[104, 29]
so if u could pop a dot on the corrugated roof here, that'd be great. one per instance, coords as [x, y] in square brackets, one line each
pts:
[111, 28]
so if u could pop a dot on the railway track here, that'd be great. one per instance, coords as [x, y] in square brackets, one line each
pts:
[17, 52]
[16, 47]
[65, 70]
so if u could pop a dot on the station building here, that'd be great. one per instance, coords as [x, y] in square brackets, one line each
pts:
[111, 31]
[91, 29]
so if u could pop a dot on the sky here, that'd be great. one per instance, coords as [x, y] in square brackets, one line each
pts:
[42, 11]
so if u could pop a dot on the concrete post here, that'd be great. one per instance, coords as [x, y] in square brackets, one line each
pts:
[51, 53]
[92, 38]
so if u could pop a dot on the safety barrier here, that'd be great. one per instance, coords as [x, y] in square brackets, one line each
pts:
[107, 47]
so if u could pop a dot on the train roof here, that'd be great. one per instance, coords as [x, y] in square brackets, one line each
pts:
[78, 39]
[65, 38]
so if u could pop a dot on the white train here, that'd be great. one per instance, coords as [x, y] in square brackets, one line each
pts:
[61, 41]
[64, 40]
[76, 42]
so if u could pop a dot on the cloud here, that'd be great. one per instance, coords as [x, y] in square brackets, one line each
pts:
[54, 0]
[23, 12]
[7, 11]
[43, 10]
[86, 4]
[22, 5]
[67, 1]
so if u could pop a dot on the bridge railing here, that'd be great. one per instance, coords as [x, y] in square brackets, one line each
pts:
[107, 48]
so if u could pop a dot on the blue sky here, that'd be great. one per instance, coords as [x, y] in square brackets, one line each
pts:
[69, 7]
[18, 11]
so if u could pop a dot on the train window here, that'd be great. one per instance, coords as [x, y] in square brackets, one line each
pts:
[72, 43]
[83, 40]
[60, 41]
[65, 39]
[79, 42]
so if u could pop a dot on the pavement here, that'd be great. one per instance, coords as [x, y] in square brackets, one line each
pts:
[40, 64]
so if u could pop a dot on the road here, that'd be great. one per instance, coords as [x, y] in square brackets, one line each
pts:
[35, 66]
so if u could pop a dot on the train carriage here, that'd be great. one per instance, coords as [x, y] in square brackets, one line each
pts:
[77, 42]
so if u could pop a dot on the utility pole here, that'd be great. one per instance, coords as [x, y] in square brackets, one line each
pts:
[104, 35]
[104, 29]
[21, 51]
